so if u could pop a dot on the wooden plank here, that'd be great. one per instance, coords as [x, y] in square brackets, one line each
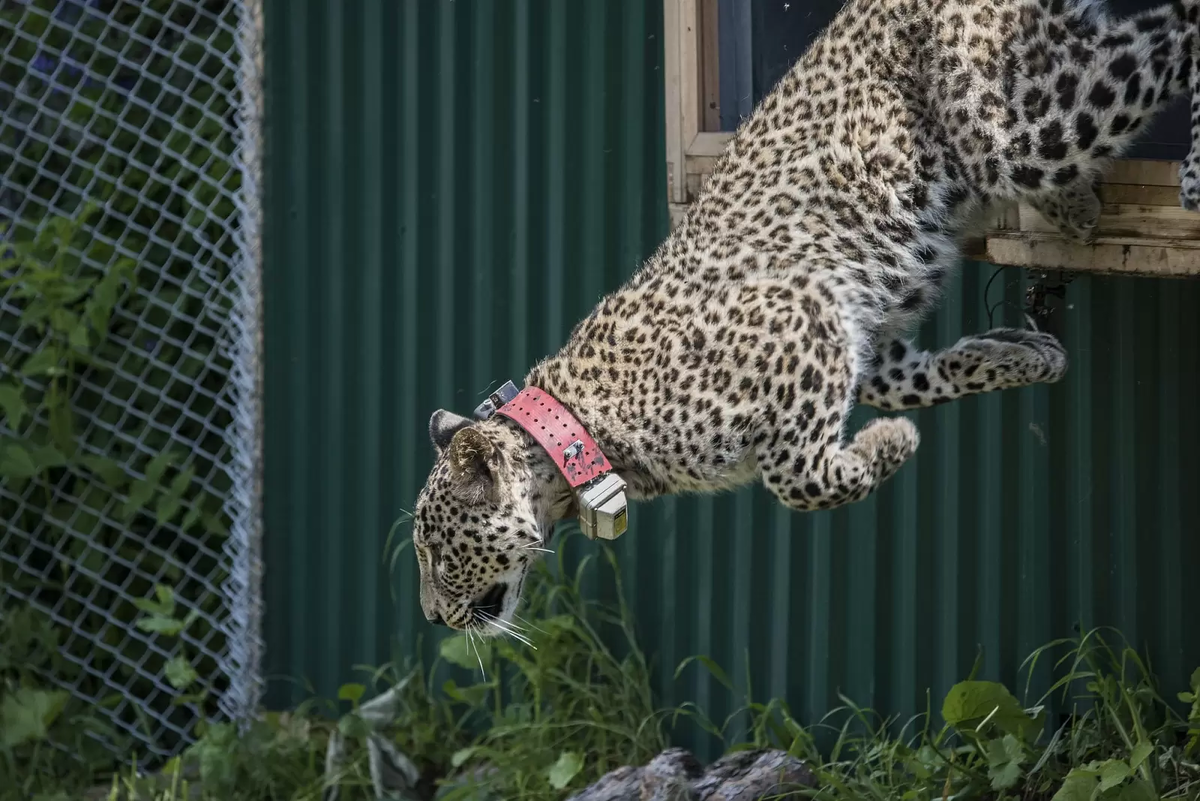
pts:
[683, 84]
[1143, 172]
[701, 165]
[1160, 258]
[689, 68]
[710, 67]
[676, 212]
[676, 144]
[1140, 194]
[708, 144]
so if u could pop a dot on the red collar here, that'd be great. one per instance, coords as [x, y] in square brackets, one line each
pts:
[559, 432]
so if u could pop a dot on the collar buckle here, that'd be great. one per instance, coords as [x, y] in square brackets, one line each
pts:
[489, 407]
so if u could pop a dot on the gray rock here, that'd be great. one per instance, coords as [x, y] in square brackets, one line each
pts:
[676, 775]
[750, 775]
[669, 776]
[616, 785]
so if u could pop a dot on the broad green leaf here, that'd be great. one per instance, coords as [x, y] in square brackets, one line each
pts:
[457, 651]
[63, 320]
[352, 726]
[1136, 790]
[158, 466]
[351, 692]
[79, 338]
[110, 472]
[191, 698]
[193, 515]
[565, 769]
[1078, 786]
[970, 703]
[1112, 773]
[461, 756]
[713, 668]
[47, 457]
[163, 603]
[139, 495]
[1005, 757]
[12, 403]
[473, 695]
[165, 596]
[214, 524]
[1141, 752]
[157, 624]
[1193, 744]
[170, 501]
[15, 462]
[191, 618]
[26, 715]
[100, 306]
[180, 673]
[42, 362]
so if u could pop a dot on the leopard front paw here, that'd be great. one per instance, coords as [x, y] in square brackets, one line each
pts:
[1017, 356]
[887, 442]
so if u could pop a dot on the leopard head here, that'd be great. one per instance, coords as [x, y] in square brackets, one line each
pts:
[490, 501]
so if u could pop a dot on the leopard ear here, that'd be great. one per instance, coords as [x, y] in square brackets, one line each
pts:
[443, 425]
[473, 462]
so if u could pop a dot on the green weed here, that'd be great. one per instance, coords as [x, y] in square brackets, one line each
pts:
[544, 714]
[1122, 741]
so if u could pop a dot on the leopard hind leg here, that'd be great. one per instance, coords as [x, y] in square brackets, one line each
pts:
[1084, 89]
[1189, 169]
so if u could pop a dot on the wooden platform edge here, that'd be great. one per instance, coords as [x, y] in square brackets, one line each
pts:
[1159, 258]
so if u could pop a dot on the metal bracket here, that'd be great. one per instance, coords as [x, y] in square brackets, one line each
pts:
[1046, 301]
[497, 399]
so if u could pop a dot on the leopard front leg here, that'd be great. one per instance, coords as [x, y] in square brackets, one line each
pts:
[905, 377]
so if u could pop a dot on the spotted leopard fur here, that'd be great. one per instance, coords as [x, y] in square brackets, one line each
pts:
[824, 234]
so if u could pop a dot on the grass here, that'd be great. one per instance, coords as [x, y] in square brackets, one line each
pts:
[544, 714]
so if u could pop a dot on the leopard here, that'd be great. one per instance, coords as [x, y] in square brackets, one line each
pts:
[788, 292]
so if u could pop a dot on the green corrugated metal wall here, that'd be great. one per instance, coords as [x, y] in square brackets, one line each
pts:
[452, 184]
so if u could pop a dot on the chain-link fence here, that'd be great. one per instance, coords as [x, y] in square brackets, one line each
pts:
[129, 342]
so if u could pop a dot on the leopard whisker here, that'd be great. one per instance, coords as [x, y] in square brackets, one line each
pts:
[511, 633]
[530, 624]
[475, 647]
[508, 628]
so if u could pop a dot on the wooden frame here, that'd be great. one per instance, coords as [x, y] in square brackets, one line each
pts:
[1142, 231]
